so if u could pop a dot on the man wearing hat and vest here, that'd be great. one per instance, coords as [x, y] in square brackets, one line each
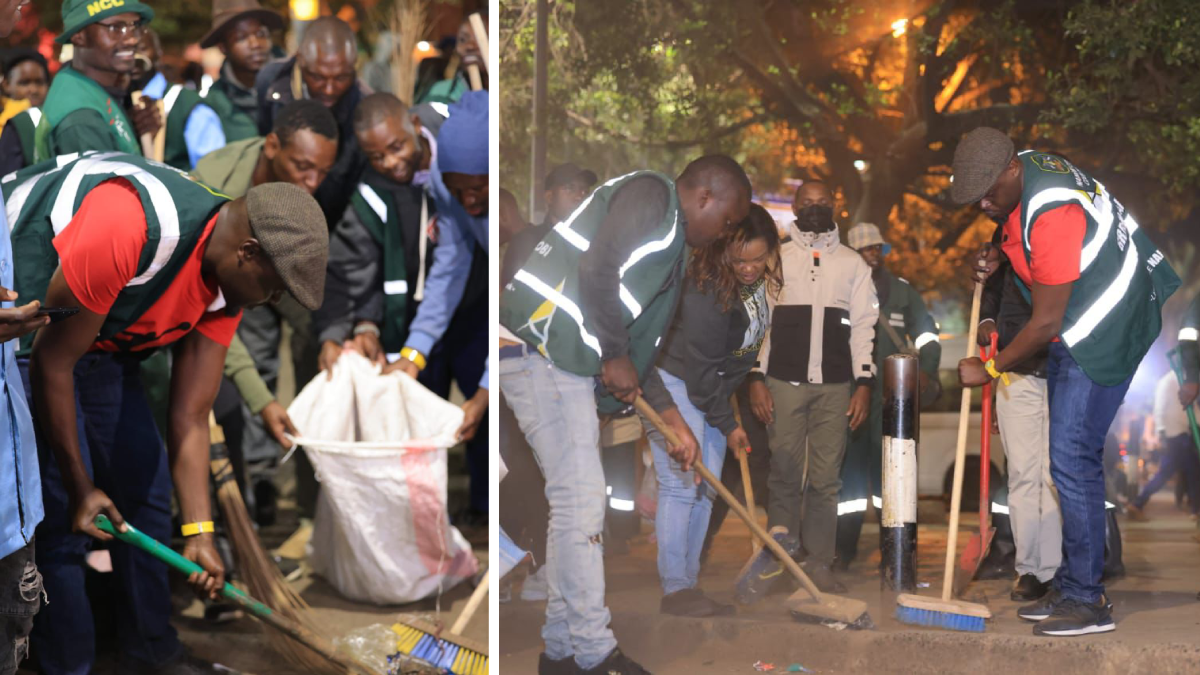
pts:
[299, 150]
[152, 259]
[192, 129]
[902, 317]
[1097, 284]
[241, 29]
[581, 326]
[86, 108]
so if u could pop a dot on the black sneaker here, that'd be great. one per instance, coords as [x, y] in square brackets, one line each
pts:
[549, 666]
[1028, 588]
[762, 571]
[616, 664]
[1043, 608]
[824, 579]
[1074, 617]
[693, 602]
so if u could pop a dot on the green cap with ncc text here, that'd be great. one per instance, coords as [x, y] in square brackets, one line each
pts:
[79, 14]
[291, 229]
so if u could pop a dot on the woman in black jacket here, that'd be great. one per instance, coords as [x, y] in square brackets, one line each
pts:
[713, 343]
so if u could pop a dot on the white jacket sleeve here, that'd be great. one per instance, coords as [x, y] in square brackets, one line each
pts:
[765, 351]
[864, 314]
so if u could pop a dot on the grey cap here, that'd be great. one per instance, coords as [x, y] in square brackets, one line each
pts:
[291, 229]
[978, 160]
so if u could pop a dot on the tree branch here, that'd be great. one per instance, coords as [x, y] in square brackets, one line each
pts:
[674, 143]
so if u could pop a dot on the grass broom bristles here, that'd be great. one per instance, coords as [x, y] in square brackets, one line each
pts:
[409, 23]
[260, 573]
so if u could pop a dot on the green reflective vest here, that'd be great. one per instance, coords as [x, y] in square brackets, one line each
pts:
[541, 304]
[41, 200]
[234, 121]
[905, 312]
[70, 92]
[178, 103]
[1115, 309]
[375, 204]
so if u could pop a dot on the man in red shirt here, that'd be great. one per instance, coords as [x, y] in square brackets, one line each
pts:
[151, 259]
[1096, 284]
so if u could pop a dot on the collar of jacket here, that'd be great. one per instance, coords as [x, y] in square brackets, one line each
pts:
[241, 97]
[823, 242]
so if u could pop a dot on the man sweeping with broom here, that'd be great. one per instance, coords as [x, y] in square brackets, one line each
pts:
[149, 258]
[1097, 285]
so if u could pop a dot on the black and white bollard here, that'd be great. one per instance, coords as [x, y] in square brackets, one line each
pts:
[898, 520]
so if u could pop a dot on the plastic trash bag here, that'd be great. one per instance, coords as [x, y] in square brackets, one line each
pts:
[381, 533]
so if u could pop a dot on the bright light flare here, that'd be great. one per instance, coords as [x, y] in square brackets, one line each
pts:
[899, 26]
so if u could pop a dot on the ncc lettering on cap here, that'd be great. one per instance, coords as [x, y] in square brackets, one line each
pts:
[101, 5]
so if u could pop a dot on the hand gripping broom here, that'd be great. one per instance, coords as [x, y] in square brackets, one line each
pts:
[311, 641]
[822, 606]
[948, 613]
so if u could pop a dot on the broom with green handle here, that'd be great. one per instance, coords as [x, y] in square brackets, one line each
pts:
[315, 642]
[1176, 362]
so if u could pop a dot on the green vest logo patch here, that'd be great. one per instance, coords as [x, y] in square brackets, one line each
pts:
[1050, 163]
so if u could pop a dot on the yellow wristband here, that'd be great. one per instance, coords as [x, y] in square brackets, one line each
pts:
[193, 529]
[414, 356]
[990, 366]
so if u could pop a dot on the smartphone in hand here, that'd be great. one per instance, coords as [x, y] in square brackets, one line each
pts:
[57, 314]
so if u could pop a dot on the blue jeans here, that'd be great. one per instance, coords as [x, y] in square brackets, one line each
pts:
[556, 411]
[1179, 456]
[683, 507]
[124, 456]
[1081, 412]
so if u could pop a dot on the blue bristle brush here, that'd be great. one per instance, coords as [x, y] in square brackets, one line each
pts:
[947, 613]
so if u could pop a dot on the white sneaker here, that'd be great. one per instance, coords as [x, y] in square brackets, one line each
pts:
[536, 588]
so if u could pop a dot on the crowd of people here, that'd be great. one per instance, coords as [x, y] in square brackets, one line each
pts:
[774, 345]
[162, 236]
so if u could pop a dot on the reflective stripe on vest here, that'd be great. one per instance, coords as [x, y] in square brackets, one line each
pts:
[160, 197]
[1100, 210]
[1112, 295]
[563, 302]
[16, 201]
[171, 97]
[373, 200]
[924, 339]
[1189, 334]
[580, 242]
[35, 116]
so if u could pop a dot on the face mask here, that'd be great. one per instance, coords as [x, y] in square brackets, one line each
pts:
[815, 218]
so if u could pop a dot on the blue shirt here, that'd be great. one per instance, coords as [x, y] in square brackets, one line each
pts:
[202, 133]
[457, 233]
[20, 483]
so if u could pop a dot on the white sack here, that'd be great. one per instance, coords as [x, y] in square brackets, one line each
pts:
[381, 532]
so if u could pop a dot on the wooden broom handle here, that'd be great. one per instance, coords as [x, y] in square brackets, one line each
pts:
[481, 37]
[147, 139]
[473, 603]
[744, 465]
[960, 453]
[644, 408]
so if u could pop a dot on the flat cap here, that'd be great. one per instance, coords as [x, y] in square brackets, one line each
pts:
[978, 160]
[291, 229]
